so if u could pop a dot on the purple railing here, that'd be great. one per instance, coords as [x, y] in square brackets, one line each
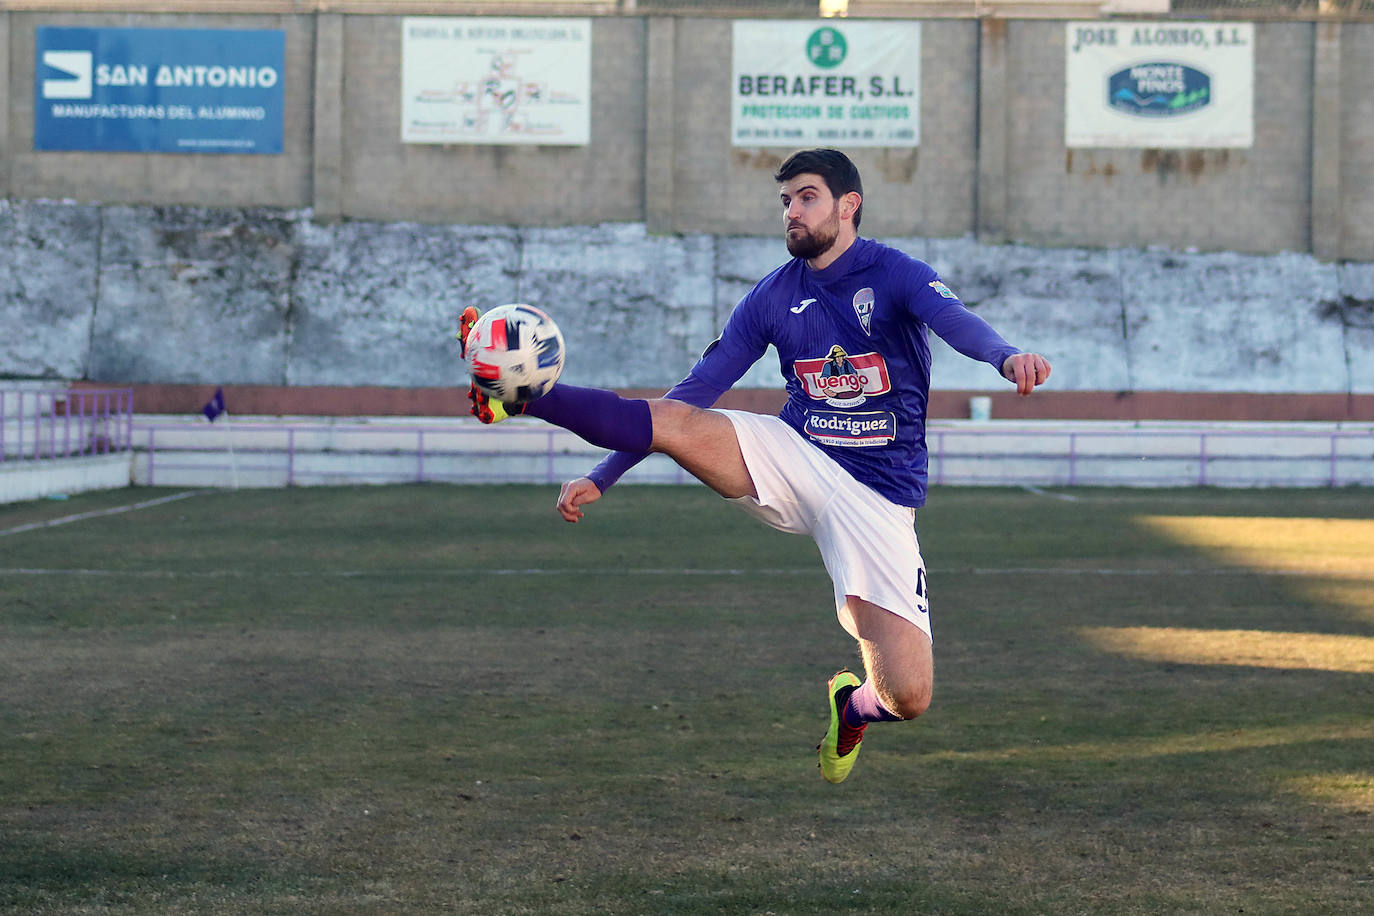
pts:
[282, 454]
[973, 454]
[38, 424]
[1262, 456]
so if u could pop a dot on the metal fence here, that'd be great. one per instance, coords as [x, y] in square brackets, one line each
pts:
[1258, 456]
[995, 453]
[321, 454]
[38, 424]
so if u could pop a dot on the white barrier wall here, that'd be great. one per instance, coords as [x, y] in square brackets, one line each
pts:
[277, 452]
[25, 480]
[186, 452]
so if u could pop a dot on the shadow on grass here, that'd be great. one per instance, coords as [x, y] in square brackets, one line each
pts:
[57, 873]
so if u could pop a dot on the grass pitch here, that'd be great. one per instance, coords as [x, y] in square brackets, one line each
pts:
[443, 699]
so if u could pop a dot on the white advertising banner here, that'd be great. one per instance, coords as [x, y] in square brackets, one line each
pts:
[1166, 85]
[808, 83]
[496, 81]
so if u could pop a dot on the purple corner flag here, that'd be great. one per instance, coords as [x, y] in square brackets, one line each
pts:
[215, 406]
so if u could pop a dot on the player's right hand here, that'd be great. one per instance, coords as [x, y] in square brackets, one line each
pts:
[574, 495]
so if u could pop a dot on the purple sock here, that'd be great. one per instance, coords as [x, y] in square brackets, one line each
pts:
[864, 706]
[601, 417]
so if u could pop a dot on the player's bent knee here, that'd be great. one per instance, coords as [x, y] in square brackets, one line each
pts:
[671, 420]
[681, 427]
[909, 703]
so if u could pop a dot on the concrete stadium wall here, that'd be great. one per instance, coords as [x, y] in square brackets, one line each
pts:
[992, 161]
[345, 260]
[1344, 185]
[1249, 200]
[703, 184]
[265, 297]
[384, 179]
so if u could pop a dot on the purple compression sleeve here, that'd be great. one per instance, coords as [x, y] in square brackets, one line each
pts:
[601, 417]
[691, 390]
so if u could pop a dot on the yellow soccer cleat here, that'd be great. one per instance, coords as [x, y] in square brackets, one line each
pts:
[489, 411]
[840, 748]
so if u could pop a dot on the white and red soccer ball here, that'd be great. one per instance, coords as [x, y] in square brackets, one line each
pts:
[515, 353]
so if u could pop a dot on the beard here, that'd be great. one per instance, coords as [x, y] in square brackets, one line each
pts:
[808, 244]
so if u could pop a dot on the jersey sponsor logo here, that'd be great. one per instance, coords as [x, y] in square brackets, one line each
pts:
[798, 309]
[865, 429]
[863, 307]
[842, 380]
[942, 289]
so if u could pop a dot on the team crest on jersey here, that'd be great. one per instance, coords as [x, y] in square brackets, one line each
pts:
[863, 307]
[842, 380]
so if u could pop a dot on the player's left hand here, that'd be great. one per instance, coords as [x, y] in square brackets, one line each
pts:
[1027, 370]
[574, 495]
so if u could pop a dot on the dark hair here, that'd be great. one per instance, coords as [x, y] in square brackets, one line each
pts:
[840, 175]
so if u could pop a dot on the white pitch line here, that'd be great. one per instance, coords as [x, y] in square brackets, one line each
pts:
[1169, 571]
[468, 572]
[1039, 492]
[362, 573]
[82, 516]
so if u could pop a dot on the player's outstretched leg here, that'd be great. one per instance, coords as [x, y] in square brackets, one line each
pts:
[601, 417]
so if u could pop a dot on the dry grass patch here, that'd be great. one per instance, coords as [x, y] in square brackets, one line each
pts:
[1253, 648]
[1324, 546]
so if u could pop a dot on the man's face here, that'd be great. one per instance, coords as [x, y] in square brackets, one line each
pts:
[811, 216]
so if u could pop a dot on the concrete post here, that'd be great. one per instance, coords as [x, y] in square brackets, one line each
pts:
[327, 192]
[660, 128]
[6, 154]
[990, 220]
[1327, 218]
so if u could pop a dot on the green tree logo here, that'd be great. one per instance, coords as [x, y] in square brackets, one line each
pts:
[826, 47]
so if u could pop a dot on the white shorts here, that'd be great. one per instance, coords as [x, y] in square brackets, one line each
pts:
[867, 542]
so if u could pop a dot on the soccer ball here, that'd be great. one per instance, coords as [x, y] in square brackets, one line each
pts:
[515, 353]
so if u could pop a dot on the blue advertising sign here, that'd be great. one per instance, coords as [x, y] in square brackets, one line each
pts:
[1158, 89]
[159, 90]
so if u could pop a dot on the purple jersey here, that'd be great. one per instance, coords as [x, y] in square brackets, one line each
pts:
[852, 346]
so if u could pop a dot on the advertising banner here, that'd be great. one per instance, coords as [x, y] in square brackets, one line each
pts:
[1166, 85]
[496, 81]
[158, 90]
[808, 83]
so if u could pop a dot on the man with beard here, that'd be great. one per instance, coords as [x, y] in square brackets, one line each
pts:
[845, 460]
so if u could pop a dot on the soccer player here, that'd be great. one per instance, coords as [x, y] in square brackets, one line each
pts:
[845, 460]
